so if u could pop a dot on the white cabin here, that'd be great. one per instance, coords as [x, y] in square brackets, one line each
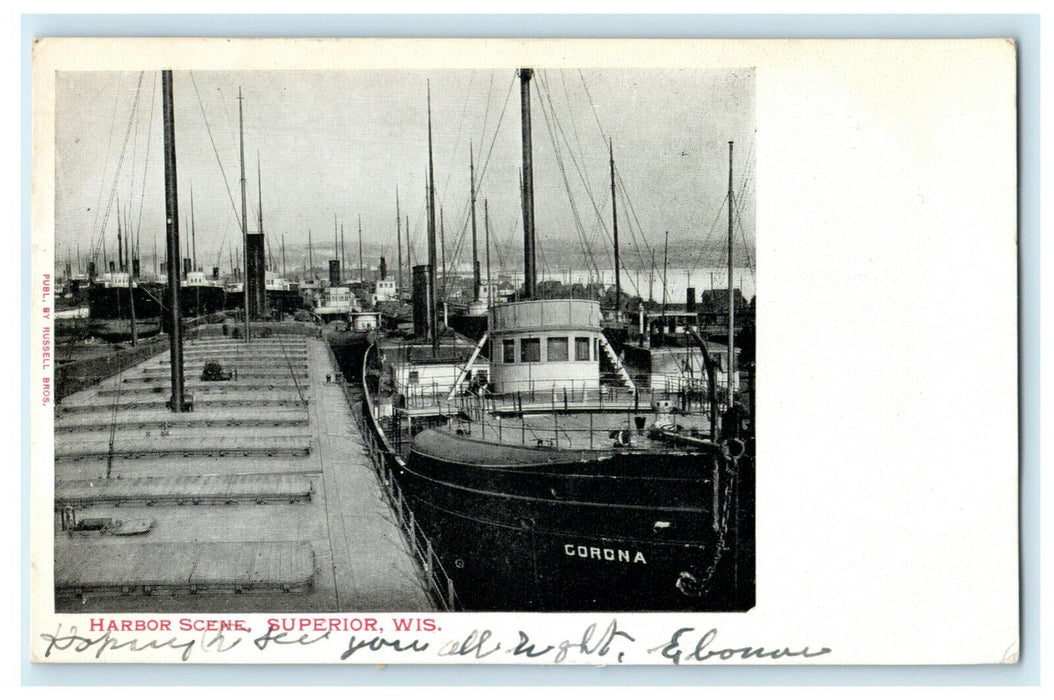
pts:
[545, 344]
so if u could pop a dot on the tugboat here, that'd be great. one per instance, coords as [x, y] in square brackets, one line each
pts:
[545, 487]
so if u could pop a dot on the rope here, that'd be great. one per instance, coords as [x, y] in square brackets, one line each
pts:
[216, 152]
[120, 161]
[92, 252]
[149, 133]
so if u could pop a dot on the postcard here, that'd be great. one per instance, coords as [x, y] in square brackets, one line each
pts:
[388, 351]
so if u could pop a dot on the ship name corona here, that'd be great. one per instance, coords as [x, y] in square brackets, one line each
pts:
[604, 554]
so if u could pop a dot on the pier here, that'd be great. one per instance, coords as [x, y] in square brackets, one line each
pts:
[262, 498]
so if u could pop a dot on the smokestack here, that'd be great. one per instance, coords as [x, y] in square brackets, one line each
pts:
[255, 274]
[215, 273]
[528, 185]
[384, 269]
[334, 273]
[422, 301]
[690, 300]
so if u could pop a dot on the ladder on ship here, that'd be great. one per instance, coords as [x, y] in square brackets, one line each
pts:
[620, 369]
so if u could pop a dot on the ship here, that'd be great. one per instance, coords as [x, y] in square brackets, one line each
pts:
[545, 482]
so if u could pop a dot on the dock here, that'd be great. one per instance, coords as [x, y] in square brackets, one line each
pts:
[262, 498]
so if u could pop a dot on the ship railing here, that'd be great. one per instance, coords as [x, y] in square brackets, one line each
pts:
[385, 462]
[577, 396]
[627, 433]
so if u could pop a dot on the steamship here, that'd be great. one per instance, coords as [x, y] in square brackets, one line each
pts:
[544, 477]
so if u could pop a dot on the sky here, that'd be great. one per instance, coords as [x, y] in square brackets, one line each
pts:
[339, 145]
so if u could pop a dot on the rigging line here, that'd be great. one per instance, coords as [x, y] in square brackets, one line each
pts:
[636, 220]
[135, 146]
[579, 229]
[497, 129]
[601, 221]
[120, 161]
[743, 235]
[149, 133]
[208, 130]
[102, 181]
[742, 189]
[589, 99]
[543, 82]
[713, 227]
[570, 114]
[230, 119]
[457, 138]
[486, 109]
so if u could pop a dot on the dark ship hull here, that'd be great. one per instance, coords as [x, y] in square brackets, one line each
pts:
[282, 301]
[111, 303]
[521, 528]
[201, 300]
[349, 347]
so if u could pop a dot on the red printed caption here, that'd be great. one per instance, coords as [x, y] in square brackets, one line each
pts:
[45, 340]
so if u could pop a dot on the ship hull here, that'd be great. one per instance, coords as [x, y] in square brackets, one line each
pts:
[553, 530]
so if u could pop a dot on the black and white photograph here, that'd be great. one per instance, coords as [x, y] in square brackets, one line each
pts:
[498, 356]
[426, 352]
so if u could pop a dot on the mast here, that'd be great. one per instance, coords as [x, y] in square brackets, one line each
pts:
[193, 233]
[310, 255]
[731, 300]
[362, 269]
[261, 302]
[472, 199]
[245, 224]
[259, 193]
[614, 230]
[336, 247]
[432, 315]
[528, 185]
[343, 257]
[131, 294]
[442, 247]
[175, 331]
[398, 246]
[120, 255]
[283, 256]
[665, 250]
[486, 233]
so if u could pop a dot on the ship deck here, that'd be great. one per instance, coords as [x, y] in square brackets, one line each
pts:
[264, 488]
[581, 431]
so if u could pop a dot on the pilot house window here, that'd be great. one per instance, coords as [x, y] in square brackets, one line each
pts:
[531, 350]
[508, 351]
[582, 349]
[556, 350]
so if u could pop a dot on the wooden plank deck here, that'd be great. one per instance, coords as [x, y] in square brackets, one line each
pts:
[281, 399]
[132, 568]
[179, 446]
[154, 420]
[192, 490]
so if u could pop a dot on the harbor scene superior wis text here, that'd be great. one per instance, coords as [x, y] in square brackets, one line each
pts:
[405, 340]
